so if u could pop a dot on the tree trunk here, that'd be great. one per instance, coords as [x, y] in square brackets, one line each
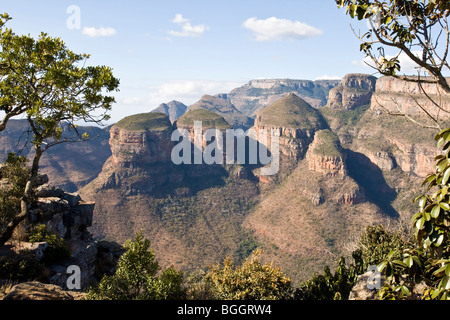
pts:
[25, 201]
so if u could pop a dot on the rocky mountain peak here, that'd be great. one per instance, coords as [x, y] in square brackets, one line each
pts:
[354, 90]
[174, 109]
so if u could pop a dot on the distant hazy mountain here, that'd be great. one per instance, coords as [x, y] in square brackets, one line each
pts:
[257, 94]
[224, 108]
[68, 165]
[174, 109]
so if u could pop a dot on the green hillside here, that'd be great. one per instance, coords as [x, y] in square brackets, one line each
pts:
[292, 112]
[145, 121]
[208, 118]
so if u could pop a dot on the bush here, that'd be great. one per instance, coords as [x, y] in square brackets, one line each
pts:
[330, 286]
[136, 277]
[249, 281]
[56, 250]
[20, 267]
[376, 243]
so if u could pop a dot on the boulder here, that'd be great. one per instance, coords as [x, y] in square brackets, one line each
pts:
[37, 291]
[365, 287]
[46, 191]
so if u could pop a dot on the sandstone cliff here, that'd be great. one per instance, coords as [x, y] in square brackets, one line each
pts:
[294, 121]
[325, 154]
[399, 96]
[354, 90]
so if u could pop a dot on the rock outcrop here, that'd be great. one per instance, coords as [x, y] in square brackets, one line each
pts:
[325, 154]
[38, 291]
[399, 96]
[354, 90]
[174, 109]
[68, 217]
[294, 121]
[141, 160]
[143, 146]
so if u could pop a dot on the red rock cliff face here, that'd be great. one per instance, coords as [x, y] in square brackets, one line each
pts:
[142, 146]
[329, 166]
[293, 142]
[324, 155]
[353, 91]
[397, 95]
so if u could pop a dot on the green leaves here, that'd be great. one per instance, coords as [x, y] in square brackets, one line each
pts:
[136, 277]
[435, 211]
[51, 85]
[250, 281]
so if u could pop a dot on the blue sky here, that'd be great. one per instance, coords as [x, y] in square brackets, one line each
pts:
[180, 50]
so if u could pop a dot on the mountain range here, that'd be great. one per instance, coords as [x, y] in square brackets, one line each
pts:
[345, 163]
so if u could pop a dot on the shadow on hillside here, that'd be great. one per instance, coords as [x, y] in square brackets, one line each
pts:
[370, 177]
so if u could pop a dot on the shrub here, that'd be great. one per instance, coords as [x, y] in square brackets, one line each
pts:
[376, 243]
[250, 281]
[56, 250]
[136, 277]
[328, 286]
[20, 267]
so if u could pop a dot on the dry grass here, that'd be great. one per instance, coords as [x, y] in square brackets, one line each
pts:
[5, 287]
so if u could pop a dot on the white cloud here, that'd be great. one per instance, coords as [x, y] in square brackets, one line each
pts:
[188, 91]
[187, 29]
[272, 29]
[99, 32]
[327, 77]
[179, 19]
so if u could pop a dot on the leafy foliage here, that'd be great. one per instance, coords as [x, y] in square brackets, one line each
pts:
[402, 25]
[250, 281]
[376, 243]
[328, 286]
[136, 277]
[16, 174]
[51, 86]
[49, 83]
[20, 267]
[429, 258]
[56, 250]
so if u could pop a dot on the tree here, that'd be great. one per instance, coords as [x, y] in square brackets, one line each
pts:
[250, 281]
[136, 277]
[418, 29]
[50, 86]
[405, 25]
[16, 174]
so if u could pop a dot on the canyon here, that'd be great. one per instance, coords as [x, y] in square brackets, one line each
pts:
[345, 163]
